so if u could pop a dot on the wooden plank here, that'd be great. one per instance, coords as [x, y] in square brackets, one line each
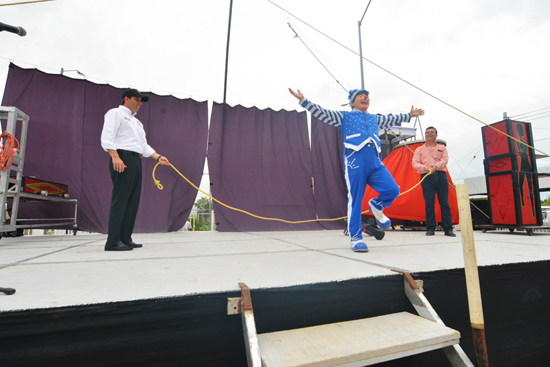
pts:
[355, 343]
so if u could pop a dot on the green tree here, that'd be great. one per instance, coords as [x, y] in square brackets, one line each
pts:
[203, 203]
[546, 202]
[200, 226]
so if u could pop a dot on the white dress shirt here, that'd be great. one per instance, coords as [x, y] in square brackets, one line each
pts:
[121, 130]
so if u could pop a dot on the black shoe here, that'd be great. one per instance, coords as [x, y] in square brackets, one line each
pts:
[118, 247]
[430, 233]
[373, 231]
[132, 244]
[450, 234]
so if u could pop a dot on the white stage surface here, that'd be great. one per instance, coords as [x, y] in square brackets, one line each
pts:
[65, 270]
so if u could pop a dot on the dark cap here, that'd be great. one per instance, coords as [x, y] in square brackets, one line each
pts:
[134, 93]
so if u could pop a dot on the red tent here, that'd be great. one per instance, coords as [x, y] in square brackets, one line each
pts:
[409, 206]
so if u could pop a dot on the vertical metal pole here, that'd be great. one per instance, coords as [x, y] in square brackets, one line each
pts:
[472, 276]
[361, 46]
[227, 50]
[210, 211]
[361, 56]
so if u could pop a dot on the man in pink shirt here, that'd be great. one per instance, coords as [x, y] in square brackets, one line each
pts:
[433, 156]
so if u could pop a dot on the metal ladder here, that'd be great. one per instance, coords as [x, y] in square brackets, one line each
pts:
[355, 343]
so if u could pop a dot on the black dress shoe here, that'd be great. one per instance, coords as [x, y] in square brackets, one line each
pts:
[132, 244]
[118, 247]
[430, 233]
[450, 234]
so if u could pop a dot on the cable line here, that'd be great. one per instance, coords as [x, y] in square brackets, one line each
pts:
[296, 36]
[540, 117]
[535, 114]
[26, 2]
[409, 83]
[526, 113]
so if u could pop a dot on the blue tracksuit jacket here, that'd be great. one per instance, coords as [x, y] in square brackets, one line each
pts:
[361, 161]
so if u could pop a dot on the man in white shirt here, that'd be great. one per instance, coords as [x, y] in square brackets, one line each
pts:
[123, 137]
[433, 156]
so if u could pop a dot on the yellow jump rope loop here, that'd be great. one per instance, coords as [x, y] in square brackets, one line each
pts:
[157, 182]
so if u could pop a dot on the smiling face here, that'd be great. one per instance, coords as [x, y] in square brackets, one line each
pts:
[361, 102]
[133, 103]
[431, 135]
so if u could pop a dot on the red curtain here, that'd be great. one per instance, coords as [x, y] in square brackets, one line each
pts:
[409, 206]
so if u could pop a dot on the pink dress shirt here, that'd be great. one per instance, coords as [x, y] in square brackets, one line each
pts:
[430, 156]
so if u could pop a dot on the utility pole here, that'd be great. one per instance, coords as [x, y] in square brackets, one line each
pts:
[227, 50]
[361, 47]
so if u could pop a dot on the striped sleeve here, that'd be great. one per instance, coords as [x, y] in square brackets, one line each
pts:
[333, 118]
[386, 121]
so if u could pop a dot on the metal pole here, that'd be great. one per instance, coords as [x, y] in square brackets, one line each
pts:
[472, 276]
[210, 212]
[361, 56]
[227, 50]
[361, 46]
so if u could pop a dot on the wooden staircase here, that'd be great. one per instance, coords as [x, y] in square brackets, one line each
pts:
[351, 343]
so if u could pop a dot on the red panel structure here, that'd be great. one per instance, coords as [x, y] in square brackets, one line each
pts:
[495, 142]
[503, 164]
[511, 173]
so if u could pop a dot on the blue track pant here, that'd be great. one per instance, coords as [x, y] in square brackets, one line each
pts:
[364, 168]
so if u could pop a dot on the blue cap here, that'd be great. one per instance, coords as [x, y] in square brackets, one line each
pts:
[354, 92]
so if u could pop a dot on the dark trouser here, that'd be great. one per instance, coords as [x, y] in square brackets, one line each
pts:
[437, 184]
[125, 198]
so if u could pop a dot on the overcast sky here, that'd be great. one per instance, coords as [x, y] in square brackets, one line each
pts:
[484, 57]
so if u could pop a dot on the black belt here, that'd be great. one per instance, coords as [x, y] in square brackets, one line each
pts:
[129, 152]
[436, 173]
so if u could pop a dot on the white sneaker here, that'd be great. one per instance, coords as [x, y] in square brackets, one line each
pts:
[377, 210]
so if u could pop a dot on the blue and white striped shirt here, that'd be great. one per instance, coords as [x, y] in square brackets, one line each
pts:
[359, 128]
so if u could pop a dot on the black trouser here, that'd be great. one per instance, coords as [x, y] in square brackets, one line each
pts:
[437, 183]
[125, 198]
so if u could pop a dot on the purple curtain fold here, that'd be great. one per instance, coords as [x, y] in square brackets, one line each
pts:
[328, 171]
[63, 145]
[259, 161]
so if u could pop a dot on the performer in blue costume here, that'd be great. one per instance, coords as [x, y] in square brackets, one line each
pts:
[361, 157]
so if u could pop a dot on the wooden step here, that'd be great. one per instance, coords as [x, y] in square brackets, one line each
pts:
[355, 343]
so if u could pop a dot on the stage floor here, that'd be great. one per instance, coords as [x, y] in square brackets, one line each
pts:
[66, 270]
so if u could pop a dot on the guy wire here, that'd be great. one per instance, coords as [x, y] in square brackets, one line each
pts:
[405, 81]
[296, 36]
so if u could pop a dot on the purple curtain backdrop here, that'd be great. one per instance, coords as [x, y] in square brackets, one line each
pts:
[259, 161]
[63, 145]
[327, 145]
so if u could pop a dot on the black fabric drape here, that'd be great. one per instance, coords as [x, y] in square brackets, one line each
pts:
[66, 119]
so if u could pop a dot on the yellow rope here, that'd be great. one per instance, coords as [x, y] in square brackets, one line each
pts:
[26, 2]
[160, 187]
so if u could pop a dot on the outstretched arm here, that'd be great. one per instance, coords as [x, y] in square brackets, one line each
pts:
[333, 118]
[415, 112]
[298, 94]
